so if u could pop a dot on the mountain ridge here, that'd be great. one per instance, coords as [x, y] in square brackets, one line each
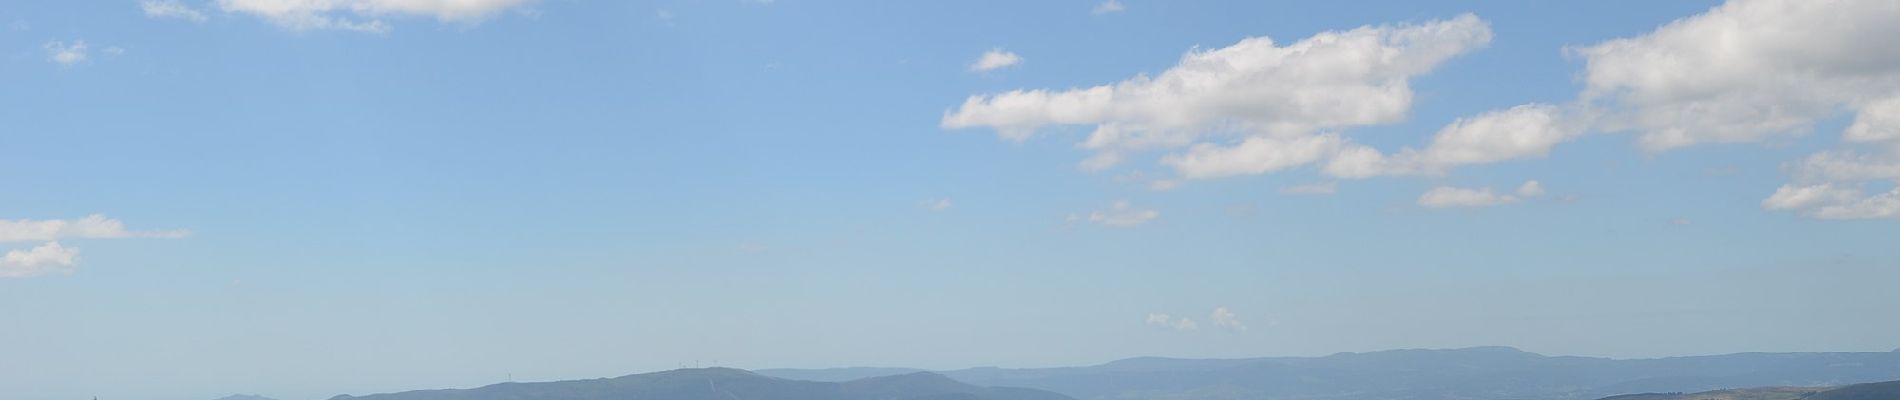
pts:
[1465, 373]
[725, 384]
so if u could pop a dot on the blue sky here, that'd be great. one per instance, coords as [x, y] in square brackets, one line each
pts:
[357, 196]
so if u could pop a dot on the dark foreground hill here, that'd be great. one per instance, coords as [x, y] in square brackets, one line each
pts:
[727, 384]
[1460, 374]
[1866, 391]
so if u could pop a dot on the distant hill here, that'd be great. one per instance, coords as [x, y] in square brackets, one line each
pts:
[1770, 393]
[1456, 374]
[727, 384]
[834, 374]
[1866, 391]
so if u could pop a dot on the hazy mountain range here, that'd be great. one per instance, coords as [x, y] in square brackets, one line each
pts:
[1458, 374]
[1472, 373]
[728, 384]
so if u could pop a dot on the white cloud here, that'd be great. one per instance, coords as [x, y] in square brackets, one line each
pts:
[1311, 188]
[1123, 214]
[39, 260]
[1255, 155]
[1235, 107]
[1525, 131]
[1878, 121]
[91, 227]
[1758, 70]
[1846, 166]
[65, 54]
[1167, 321]
[937, 205]
[171, 9]
[364, 15]
[1447, 196]
[50, 256]
[1110, 6]
[1829, 201]
[995, 59]
[1747, 70]
[1227, 320]
[1530, 189]
[1185, 324]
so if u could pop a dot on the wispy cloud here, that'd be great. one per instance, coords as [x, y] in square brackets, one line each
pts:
[171, 9]
[995, 59]
[52, 256]
[1225, 319]
[1447, 196]
[1311, 188]
[1167, 321]
[1123, 214]
[365, 15]
[66, 54]
[1108, 7]
[94, 226]
[664, 16]
[937, 204]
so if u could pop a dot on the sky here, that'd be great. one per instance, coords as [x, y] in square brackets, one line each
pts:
[304, 199]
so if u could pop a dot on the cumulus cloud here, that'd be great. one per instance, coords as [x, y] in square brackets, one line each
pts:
[364, 15]
[1742, 72]
[1879, 121]
[1758, 70]
[1108, 7]
[995, 59]
[1829, 201]
[50, 255]
[1255, 155]
[1123, 214]
[171, 9]
[1226, 319]
[1447, 196]
[1747, 70]
[65, 54]
[94, 226]
[39, 260]
[1256, 106]
[1525, 131]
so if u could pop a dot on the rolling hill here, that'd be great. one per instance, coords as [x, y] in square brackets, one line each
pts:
[727, 384]
[1866, 391]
